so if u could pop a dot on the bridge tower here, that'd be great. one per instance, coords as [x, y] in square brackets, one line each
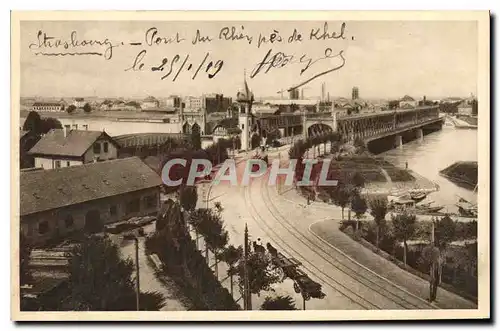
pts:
[245, 99]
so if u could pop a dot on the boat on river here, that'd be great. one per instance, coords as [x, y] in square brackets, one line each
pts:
[426, 208]
[400, 202]
[466, 208]
[418, 196]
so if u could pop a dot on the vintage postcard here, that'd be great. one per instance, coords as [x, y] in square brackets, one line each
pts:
[267, 165]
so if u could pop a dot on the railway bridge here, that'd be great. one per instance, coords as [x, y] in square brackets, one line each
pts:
[379, 130]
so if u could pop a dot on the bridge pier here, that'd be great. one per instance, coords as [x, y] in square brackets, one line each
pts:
[399, 141]
[420, 134]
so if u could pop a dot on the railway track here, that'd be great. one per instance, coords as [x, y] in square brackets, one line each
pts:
[324, 278]
[376, 283]
[397, 300]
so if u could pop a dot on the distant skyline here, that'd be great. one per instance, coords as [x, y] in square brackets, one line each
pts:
[385, 59]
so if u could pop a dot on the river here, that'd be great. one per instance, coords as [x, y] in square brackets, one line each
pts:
[437, 151]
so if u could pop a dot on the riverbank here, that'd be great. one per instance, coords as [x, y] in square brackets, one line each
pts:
[462, 173]
[380, 177]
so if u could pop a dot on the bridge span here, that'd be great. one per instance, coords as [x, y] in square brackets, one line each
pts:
[380, 130]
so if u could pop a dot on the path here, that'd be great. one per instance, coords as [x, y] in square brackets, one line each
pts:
[174, 299]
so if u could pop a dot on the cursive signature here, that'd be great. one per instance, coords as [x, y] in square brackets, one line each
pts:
[340, 54]
[280, 60]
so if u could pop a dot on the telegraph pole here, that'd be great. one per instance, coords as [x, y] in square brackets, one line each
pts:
[433, 222]
[137, 281]
[138, 291]
[247, 295]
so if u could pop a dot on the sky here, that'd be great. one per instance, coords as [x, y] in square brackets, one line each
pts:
[384, 59]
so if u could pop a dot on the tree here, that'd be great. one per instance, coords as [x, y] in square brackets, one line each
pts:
[255, 141]
[218, 207]
[236, 143]
[231, 256]
[209, 224]
[261, 272]
[33, 123]
[87, 108]
[359, 207]
[358, 180]
[404, 228]
[71, 109]
[196, 139]
[188, 197]
[360, 145]
[24, 260]
[212, 229]
[444, 232]
[195, 218]
[50, 123]
[471, 258]
[279, 302]
[100, 280]
[474, 107]
[38, 125]
[378, 209]
[340, 196]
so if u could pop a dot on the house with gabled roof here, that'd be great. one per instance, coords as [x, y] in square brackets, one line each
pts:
[55, 203]
[61, 148]
[408, 102]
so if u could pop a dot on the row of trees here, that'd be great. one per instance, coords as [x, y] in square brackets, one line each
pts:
[209, 224]
[173, 243]
[72, 108]
[301, 147]
[404, 227]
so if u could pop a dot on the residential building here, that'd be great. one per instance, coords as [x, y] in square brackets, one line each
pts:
[47, 106]
[150, 102]
[194, 103]
[173, 102]
[61, 148]
[216, 103]
[79, 102]
[408, 102]
[57, 202]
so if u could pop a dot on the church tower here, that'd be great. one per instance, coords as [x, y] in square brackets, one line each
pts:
[245, 99]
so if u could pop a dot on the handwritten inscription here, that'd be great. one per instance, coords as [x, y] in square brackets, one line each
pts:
[51, 46]
[171, 68]
[153, 37]
[209, 65]
[280, 60]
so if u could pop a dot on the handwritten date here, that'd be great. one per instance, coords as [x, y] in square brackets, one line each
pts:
[173, 67]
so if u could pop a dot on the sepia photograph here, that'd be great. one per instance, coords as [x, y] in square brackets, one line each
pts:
[267, 165]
